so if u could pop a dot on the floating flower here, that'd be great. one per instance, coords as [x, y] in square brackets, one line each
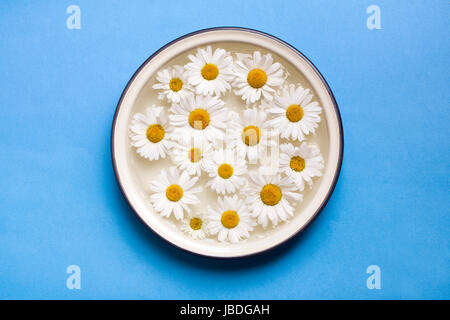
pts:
[294, 114]
[210, 73]
[302, 163]
[173, 83]
[150, 133]
[192, 157]
[227, 172]
[174, 193]
[230, 219]
[270, 198]
[200, 116]
[257, 77]
[194, 226]
[250, 135]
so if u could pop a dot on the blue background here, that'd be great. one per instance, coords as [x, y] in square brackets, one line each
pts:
[60, 203]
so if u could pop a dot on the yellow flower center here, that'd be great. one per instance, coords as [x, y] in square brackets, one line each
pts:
[155, 133]
[257, 78]
[195, 154]
[199, 119]
[174, 192]
[297, 163]
[175, 84]
[225, 171]
[230, 219]
[210, 71]
[270, 194]
[250, 135]
[196, 223]
[294, 113]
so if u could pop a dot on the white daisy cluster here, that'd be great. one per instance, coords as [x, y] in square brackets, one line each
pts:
[201, 134]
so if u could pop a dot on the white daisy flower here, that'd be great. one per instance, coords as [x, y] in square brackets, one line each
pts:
[173, 83]
[270, 198]
[294, 114]
[192, 157]
[150, 133]
[257, 76]
[230, 219]
[200, 117]
[301, 164]
[227, 172]
[174, 192]
[210, 73]
[195, 226]
[249, 135]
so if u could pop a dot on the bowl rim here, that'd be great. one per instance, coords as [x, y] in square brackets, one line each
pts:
[334, 103]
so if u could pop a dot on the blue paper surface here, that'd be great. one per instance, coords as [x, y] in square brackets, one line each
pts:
[60, 204]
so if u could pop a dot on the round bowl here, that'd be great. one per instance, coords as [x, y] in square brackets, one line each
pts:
[134, 173]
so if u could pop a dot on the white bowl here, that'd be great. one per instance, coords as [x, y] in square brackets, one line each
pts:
[134, 173]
